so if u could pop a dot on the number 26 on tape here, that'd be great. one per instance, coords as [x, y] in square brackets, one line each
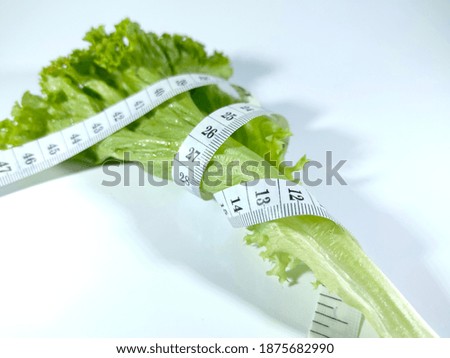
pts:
[209, 132]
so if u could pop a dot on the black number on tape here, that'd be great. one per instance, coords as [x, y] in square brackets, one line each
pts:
[209, 132]
[247, 108]
[29, 158]
[97, 128]
[184, 179]
[236, 208]
[262, 198]
[193, 154]
[75, 138]
[118, 116]
[181, 83]
[53, 149]
[229, 116]
[4, 167]
[159, 92]
[297, 196]
[138, 105]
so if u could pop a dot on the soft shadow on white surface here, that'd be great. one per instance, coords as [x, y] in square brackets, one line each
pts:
[194, 235]
[247, 71]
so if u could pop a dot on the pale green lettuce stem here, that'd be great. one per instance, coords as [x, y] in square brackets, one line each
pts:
[338, 262]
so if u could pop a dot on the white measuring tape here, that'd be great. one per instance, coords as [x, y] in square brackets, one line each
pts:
[264, 200]
[245, 204]
[20, 162]
[253, 202]
[205, 139]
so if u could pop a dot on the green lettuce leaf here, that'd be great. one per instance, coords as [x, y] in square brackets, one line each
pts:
[118, 64]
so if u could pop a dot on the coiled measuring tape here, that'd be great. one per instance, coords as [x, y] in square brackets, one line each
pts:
[244, 204]
[249, 203]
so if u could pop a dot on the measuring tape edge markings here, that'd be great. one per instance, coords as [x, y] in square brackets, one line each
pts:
[16, 167]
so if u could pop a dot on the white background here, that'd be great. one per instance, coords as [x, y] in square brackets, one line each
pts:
[368, 80]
